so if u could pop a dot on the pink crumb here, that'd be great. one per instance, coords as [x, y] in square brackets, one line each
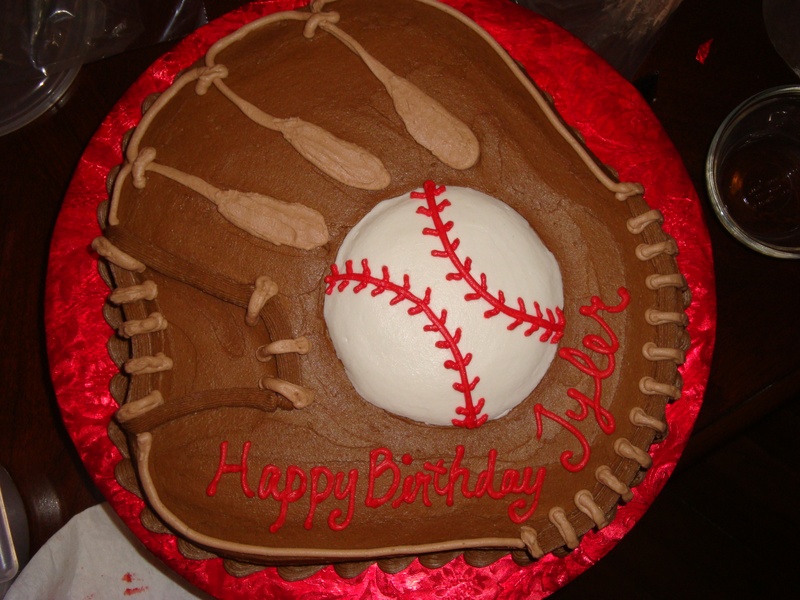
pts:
[137, 590]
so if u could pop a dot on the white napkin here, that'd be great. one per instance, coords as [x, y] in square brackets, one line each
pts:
[96, 556]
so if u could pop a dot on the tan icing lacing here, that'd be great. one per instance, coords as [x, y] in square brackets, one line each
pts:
[640, 418]
[651, 387]
[558, 517]
[530, 538]
[638, 223]
[299, 396]
[139, 165]
[605, 475]
[650, 251]
[316, 18]
[625, 449]
[264, 289]
[659, 317]
[147, 290]
[299, 345]
[153, 323]
[658, 281]
[654, 353]
[114, 255]
[143, 365]
[207, 78]
[135, 408]
[586, 504]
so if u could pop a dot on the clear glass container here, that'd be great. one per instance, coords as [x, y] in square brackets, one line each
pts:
[753, 172]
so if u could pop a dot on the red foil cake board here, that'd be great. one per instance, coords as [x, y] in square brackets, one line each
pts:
[618, 127]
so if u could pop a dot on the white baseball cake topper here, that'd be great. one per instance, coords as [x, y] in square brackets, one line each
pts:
[474, 292]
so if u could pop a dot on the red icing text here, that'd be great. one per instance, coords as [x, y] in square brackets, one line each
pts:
[449, 481]
[290, 485]
[389, 484]
[586, 364]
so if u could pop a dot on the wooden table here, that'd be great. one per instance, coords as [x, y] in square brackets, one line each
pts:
[755, 367]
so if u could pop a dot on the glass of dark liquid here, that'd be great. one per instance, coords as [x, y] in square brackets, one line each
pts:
[753, 172]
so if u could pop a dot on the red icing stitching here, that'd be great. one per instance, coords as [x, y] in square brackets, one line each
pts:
[552, 324]
[338, 281]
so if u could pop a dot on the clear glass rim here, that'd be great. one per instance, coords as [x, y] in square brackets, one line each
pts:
[46, 94]
[711, 166]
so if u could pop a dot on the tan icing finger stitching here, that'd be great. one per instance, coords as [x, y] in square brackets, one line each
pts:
[111, 253]
[348, 163]
[625, 449]
[558, 517]
[640, 418]
[147, 290]
[638, 223]
[586, 504]
[604, 475]
[266, 218]
[651, 387]
[654, 353]
[426, 120]
[345, 162]
[153, 323]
